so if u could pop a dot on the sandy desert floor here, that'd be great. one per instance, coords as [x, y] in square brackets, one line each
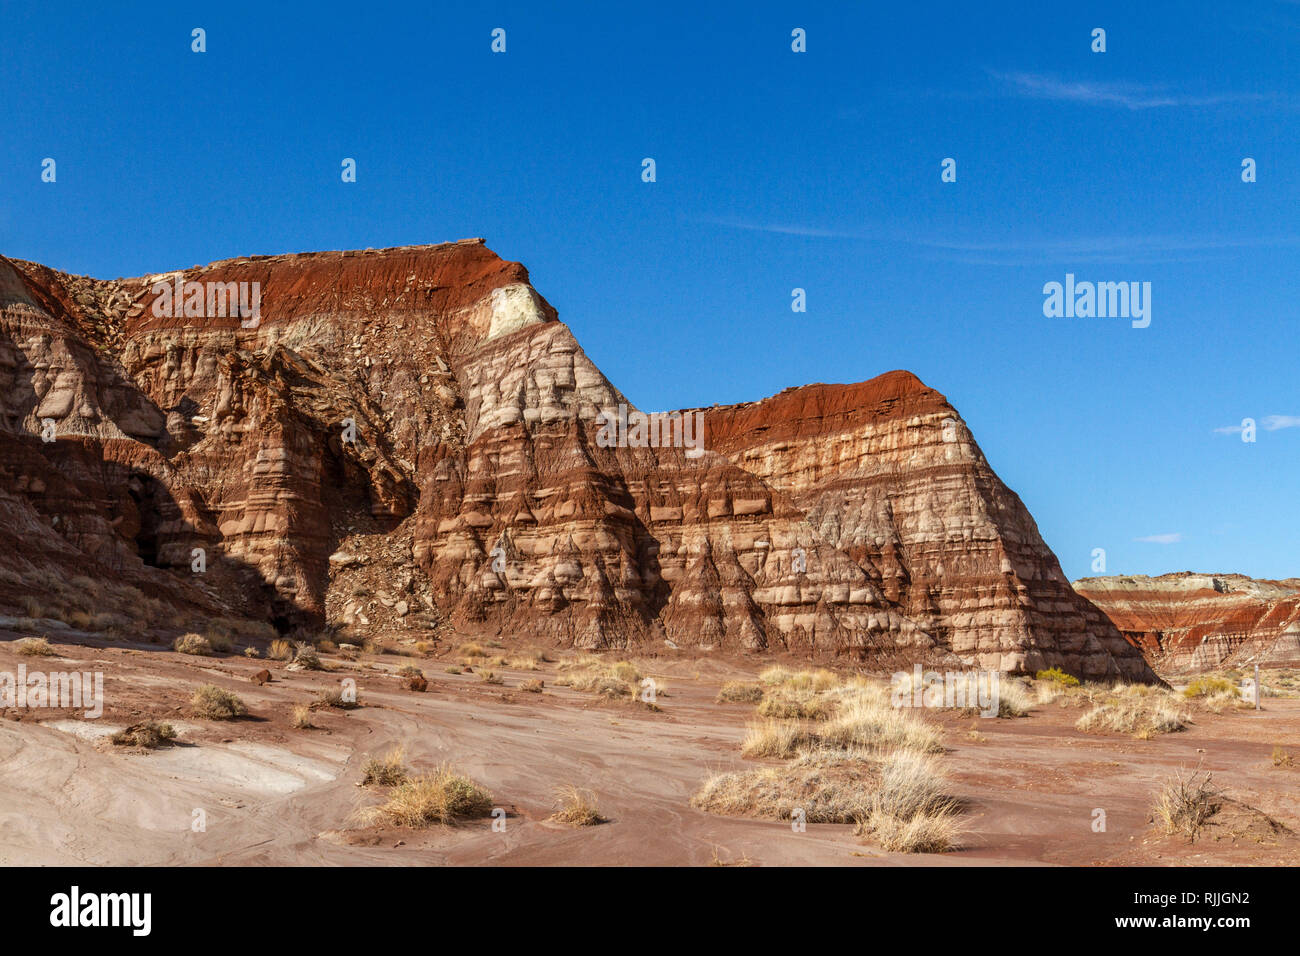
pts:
[272, 794]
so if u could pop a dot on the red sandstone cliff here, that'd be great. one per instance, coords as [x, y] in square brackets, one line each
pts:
[857, 520]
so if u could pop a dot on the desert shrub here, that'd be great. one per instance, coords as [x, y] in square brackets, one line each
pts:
[150, 735]
[213, 703]
[306, 658]
[220, 642]
[1058, 676]
[1186, 803]
[34, 647]
[281, 650]
[471, 650]
[453, 669]
[251, 651]
[534, 686]
[386, 771]
[443, 796]
[1281, 757]
[740, 692]
[334, 697]
[410, 670]
[1211, 686]
[301, 717]
[80, 620]
[195, 644]
[576, 807]
[490, 677]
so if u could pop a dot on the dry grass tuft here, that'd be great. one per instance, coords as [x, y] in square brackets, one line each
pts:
[1014, 699]
[386, 771]
[795, 705]
[775, 738]
[740, 692]
[301, 718]
[441, 797]
[576, 807]
[34, 647]
[921, 834]
[825, 792]
[867, 720]
[1142, 715]
[910, 811]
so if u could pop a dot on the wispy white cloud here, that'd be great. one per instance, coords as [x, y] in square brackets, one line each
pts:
[1161, 538]
[1079, 249]
[1132, 96]
[1270, 423]
[790, 229]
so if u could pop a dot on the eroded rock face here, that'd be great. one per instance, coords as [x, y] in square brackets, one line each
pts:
[419, 417]
[1192, 622]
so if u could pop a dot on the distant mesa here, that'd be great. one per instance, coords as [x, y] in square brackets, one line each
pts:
[1192, 622]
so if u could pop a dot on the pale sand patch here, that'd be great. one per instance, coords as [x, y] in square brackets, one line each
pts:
[245, 767]
[91, 730]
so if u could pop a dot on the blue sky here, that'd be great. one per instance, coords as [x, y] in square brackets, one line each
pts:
[775, 170]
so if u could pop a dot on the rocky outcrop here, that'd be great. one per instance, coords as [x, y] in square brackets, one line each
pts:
[409, 438]
[1192, 622]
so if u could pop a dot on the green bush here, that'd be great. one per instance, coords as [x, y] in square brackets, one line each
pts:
[1058, 676]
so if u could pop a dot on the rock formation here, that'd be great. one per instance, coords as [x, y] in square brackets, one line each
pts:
[1191, 622]
[410, 439]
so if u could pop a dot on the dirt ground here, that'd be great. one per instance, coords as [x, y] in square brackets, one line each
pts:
[267, 793]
